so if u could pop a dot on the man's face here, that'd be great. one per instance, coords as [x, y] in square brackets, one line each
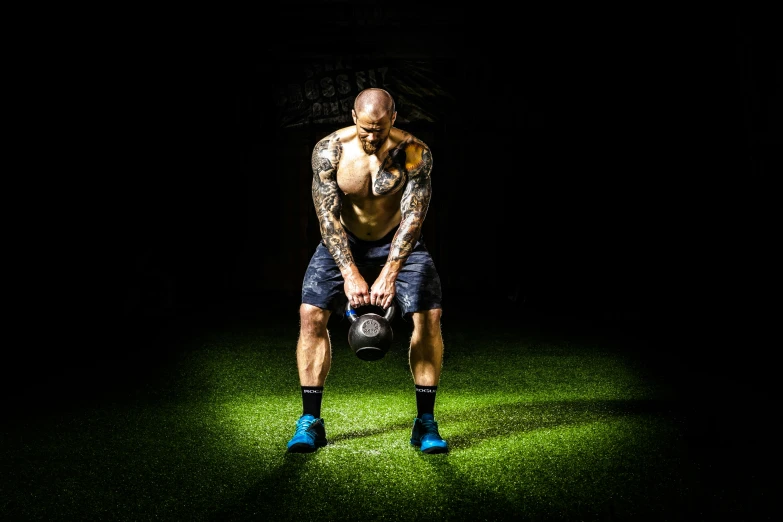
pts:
[372, 132]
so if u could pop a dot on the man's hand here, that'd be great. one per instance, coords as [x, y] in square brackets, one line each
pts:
[383, 289]
[356, 289]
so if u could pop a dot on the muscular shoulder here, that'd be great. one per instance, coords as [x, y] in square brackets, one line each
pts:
[329, 149]
[335, 139]
[326, 154]
[414, 153]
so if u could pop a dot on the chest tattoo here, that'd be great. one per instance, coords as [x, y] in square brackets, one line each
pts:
[400, 161]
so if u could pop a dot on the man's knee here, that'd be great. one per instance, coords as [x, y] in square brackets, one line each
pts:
[427, 322]
[313, 319]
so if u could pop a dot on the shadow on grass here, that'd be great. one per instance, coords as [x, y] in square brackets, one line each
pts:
[475, 501]
[271, 495]
[278, 496]
[499, 420]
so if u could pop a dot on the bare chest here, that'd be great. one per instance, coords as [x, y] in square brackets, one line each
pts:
[366, 176]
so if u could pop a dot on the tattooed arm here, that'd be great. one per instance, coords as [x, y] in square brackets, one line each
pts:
[413, 207]
[326, 198]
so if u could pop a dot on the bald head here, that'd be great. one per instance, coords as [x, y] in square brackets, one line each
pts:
[374, 114]
[375, 103]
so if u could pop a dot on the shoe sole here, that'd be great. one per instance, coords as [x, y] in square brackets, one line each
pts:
[305, 448]
[435, 449]
[432, 449]
[302, 448]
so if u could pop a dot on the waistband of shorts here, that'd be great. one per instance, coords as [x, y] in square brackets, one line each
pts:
[384, 240]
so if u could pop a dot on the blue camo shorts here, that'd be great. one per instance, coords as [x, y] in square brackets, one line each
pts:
[418, 283]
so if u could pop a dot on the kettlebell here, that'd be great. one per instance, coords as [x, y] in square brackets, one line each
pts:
[370, 334]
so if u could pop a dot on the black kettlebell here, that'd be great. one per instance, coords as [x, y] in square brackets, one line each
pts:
[370, 334]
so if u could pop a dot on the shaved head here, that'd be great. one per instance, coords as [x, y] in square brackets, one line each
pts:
[374, 114]
[374, 102]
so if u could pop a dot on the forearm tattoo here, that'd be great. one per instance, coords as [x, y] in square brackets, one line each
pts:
[326, 198]
[415, 201]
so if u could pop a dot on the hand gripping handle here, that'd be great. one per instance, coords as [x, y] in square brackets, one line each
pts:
[350, 313]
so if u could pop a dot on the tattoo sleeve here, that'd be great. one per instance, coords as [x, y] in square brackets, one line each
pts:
[326, 198]
[415, 201]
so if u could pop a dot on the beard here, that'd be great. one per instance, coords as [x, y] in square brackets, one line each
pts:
[371, 147]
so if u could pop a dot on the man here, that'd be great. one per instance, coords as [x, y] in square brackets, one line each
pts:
[371, 190]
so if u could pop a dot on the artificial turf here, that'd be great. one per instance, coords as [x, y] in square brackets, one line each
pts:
[544, 422]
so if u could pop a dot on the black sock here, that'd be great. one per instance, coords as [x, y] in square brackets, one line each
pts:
[425, 399]
[311, 400]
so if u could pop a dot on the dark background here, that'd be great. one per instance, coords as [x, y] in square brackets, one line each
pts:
[612, 172]
[606, 168]
[589, 167]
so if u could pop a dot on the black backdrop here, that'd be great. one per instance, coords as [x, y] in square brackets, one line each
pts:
[583, 167]
[614, 168]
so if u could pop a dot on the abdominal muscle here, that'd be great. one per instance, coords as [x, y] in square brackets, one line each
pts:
[372, 218]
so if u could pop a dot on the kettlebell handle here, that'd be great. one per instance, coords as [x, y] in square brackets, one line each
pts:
[350, 313]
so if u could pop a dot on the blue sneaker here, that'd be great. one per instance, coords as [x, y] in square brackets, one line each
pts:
[425, 435]
[310, 435]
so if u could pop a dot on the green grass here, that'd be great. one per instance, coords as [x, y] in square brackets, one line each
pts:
[542, 426]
